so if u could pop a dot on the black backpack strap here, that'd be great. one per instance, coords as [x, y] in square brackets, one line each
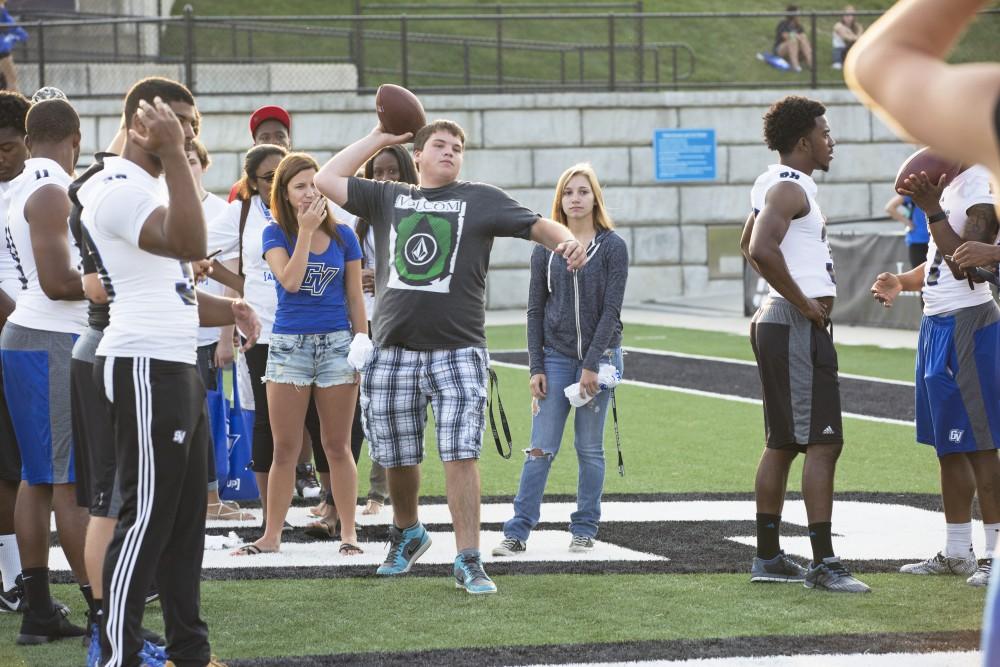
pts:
[618, 439]
[495, 383]
[244, 212]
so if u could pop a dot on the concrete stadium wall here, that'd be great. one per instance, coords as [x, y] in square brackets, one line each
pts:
[523, 142]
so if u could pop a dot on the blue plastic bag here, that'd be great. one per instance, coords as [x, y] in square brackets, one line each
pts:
[240, 482]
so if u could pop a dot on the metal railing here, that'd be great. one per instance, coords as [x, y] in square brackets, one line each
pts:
[475, 48]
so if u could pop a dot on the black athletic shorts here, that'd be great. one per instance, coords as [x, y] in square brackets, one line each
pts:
[10, 455]
[798, 371]
[93, 436]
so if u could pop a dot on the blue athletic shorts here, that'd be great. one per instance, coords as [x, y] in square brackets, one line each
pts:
[36, 377]
[958, 380]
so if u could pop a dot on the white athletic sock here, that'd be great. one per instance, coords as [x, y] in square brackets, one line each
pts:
[10, 560]
[992, 532]
[959, 543]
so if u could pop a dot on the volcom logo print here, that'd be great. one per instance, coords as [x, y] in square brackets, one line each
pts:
[424, 244]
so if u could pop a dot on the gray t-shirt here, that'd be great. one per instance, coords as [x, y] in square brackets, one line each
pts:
[433, 251]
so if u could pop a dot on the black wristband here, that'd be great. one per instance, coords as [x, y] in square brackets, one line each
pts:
[937, 217]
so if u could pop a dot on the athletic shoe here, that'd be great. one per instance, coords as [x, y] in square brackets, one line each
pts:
[153, 594]
[580, 544]
[470, 575]
[780, 569]
[981, 576]
[93, 641]
[405, 547]
[510, 546]
[941, 564]
[36, 630]
[306, 484]
[12, 601]
[153, 655]
[831, 575]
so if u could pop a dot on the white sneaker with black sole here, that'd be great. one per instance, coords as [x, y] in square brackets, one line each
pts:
[981, 576]
[510, 546]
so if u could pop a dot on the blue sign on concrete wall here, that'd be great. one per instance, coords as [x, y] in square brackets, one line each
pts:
[684, 155]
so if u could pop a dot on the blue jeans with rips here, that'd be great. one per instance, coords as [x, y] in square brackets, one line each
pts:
[547, 426]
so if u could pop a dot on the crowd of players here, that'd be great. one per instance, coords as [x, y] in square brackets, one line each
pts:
[105, 264]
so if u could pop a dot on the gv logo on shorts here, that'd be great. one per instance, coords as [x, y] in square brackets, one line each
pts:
[955, 435]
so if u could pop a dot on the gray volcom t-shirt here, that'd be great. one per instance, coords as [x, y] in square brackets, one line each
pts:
[433, 251]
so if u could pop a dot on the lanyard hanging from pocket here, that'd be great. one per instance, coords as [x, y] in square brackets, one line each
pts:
[495, 383]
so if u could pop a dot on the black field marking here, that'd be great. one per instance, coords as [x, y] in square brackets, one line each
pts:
[863, 397]
[678, 649]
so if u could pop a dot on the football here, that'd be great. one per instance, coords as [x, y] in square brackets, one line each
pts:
[925, 160]
[399, 111]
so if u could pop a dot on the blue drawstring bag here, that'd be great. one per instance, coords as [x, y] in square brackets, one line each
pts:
[218, 423]
[240, 483]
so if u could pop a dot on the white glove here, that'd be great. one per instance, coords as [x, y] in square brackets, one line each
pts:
[361, 351]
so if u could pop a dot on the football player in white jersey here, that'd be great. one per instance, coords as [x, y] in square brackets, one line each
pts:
[13, 109]
[957, 386]
[146, 243]
[785, 241]
[36, 347]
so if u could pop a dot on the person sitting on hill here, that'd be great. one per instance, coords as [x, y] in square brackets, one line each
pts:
[790, 41]
[846, 31]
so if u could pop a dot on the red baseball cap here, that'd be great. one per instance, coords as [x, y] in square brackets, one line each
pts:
[269, 113]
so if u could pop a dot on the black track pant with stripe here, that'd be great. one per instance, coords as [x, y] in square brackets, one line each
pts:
[160, 431]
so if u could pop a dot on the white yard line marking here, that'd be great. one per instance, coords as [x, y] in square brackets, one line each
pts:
[942, 659]
[725, 397]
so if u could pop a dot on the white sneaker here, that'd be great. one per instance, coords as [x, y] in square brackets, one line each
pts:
[510, 547]
[981, 576]
[581, 544]
[837, 66]
[941, 564]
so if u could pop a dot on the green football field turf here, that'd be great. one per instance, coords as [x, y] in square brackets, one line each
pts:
[323, 616]
[673, 442]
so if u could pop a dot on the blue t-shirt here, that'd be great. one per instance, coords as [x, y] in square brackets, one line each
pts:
[919, 233]
[320, 305]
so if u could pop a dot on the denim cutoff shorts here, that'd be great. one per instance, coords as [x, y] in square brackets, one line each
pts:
[305, 360]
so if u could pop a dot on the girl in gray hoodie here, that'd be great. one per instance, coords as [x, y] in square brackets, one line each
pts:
[574, 327]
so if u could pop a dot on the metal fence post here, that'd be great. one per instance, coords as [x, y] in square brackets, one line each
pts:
[467, 66]
[189, 47]
[499, 50]
[404, 47]
[41, 54]
[611, 51]
[359, 44]
[641, 48]
[812, 39]
[114, 39]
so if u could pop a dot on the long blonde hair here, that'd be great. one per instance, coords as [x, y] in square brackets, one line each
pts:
[602, 221]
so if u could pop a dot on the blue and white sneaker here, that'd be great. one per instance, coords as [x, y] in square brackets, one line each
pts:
[94, 646]
[153, 655]
[470, 575]
[405, 547]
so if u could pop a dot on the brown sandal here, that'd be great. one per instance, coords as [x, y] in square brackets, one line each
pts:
[322, 529]
[348, 549]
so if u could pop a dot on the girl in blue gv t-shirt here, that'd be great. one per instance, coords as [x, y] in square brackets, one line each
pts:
[317, 266]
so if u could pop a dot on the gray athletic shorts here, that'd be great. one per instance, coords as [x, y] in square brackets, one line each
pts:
[36, 384]
[798, 374]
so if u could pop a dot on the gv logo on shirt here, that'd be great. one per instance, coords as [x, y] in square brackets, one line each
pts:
[317, 278]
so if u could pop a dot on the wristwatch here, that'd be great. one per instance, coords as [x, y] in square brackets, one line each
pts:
[937, 217]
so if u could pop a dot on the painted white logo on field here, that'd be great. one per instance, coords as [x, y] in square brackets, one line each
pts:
[859, 528]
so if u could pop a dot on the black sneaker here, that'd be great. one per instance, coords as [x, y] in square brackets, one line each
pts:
[306, 484]
[36, 630]
[153, 594]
